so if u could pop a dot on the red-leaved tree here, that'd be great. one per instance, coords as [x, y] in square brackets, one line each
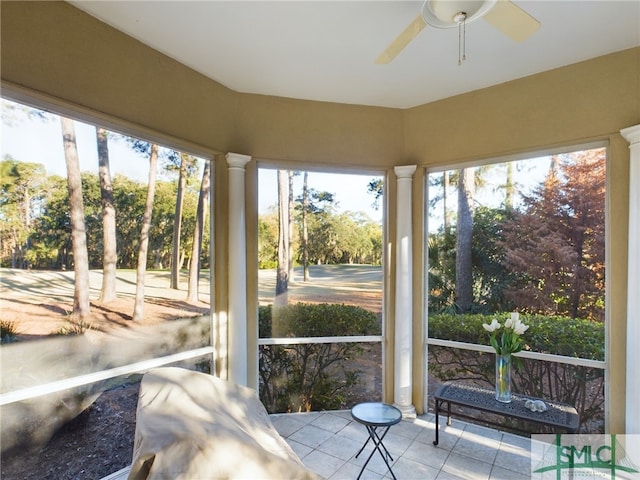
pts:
[556, 246]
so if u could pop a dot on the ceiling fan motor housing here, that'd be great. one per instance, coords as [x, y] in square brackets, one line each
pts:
[450, 13]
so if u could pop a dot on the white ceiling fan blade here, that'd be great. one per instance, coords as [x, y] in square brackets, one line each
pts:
[402, 40]
[511, 20]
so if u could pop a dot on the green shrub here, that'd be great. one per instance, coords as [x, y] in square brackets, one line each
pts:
[73, 328]
[580, 386]
[8, 331]
[310, 376]
[571, 337]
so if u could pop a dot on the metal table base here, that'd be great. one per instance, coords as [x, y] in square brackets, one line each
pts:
[377, 442]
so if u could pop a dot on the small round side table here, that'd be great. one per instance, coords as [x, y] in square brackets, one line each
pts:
[374, 416]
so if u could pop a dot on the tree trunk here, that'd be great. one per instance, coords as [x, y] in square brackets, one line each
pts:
[177, 224]
[445, 203]
[81, 307]
[305, 229]
[201, 213]
[109, 254]
[27, 223]
[509, 187]
[290, 204]
[138, 309]
[464, 232]
[282, 271]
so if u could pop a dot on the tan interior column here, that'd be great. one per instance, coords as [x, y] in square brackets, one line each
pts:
[237, 315]
[632, 412]
[403, 346]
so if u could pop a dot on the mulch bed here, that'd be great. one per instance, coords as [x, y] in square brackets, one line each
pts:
[96, 443]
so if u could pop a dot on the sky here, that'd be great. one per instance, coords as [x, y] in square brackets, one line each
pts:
[349, 190]
[40, 141]
[36, 140]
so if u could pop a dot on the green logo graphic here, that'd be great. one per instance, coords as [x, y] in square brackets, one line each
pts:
[586, 456]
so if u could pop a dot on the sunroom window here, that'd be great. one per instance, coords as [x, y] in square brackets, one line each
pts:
[320, 289]
[105, 273]
[526, 236]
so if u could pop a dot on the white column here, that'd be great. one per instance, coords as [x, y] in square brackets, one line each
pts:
[237, 268]
[632, 412]
[403, 346]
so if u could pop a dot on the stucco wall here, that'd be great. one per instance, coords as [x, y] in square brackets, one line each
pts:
[570, 105]
[319, 132]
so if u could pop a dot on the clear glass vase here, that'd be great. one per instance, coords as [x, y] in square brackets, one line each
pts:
[503, 378]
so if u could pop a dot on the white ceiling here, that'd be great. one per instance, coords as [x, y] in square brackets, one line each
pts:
[326, 50]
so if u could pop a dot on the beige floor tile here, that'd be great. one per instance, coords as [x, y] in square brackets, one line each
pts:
[467, 467]
[328, 441]
[311, 436]
[323, 464]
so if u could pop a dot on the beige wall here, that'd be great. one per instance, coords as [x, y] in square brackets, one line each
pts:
[570, 105]
[322, 133]
[53, 50]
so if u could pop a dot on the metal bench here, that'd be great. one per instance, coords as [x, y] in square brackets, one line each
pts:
[559, 416]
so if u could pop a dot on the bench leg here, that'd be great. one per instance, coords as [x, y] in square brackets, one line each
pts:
[435, 442]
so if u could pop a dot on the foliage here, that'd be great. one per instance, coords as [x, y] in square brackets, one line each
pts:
[546, 256]
[441, 252]
[555, 247]
[491, 277]
[8, 331]
[333, 238]
[35, 227]
[21, 187]
[571, 337]
[267, 241]
[50, 235]
[347, 237]
[78, 327]
[309, 376]
[376, 188]
[580, 386]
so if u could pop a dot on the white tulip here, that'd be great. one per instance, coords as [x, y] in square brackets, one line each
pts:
[492, 327]
[520, 327]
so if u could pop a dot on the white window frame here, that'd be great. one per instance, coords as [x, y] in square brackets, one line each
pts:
[598, 364]
[43, 102]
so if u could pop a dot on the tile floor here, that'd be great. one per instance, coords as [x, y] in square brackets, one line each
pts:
[328, 441]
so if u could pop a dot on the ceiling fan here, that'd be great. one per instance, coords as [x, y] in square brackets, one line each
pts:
[504, 15]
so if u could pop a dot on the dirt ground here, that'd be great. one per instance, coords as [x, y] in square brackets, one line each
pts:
[96, 443]
[100, 440]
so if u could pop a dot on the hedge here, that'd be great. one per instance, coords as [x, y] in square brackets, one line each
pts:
[571, 337]
[580, 386]
[310, 376]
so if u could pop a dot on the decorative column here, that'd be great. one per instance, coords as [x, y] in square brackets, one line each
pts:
[237, 271]
[403, 346]
[632, 412]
